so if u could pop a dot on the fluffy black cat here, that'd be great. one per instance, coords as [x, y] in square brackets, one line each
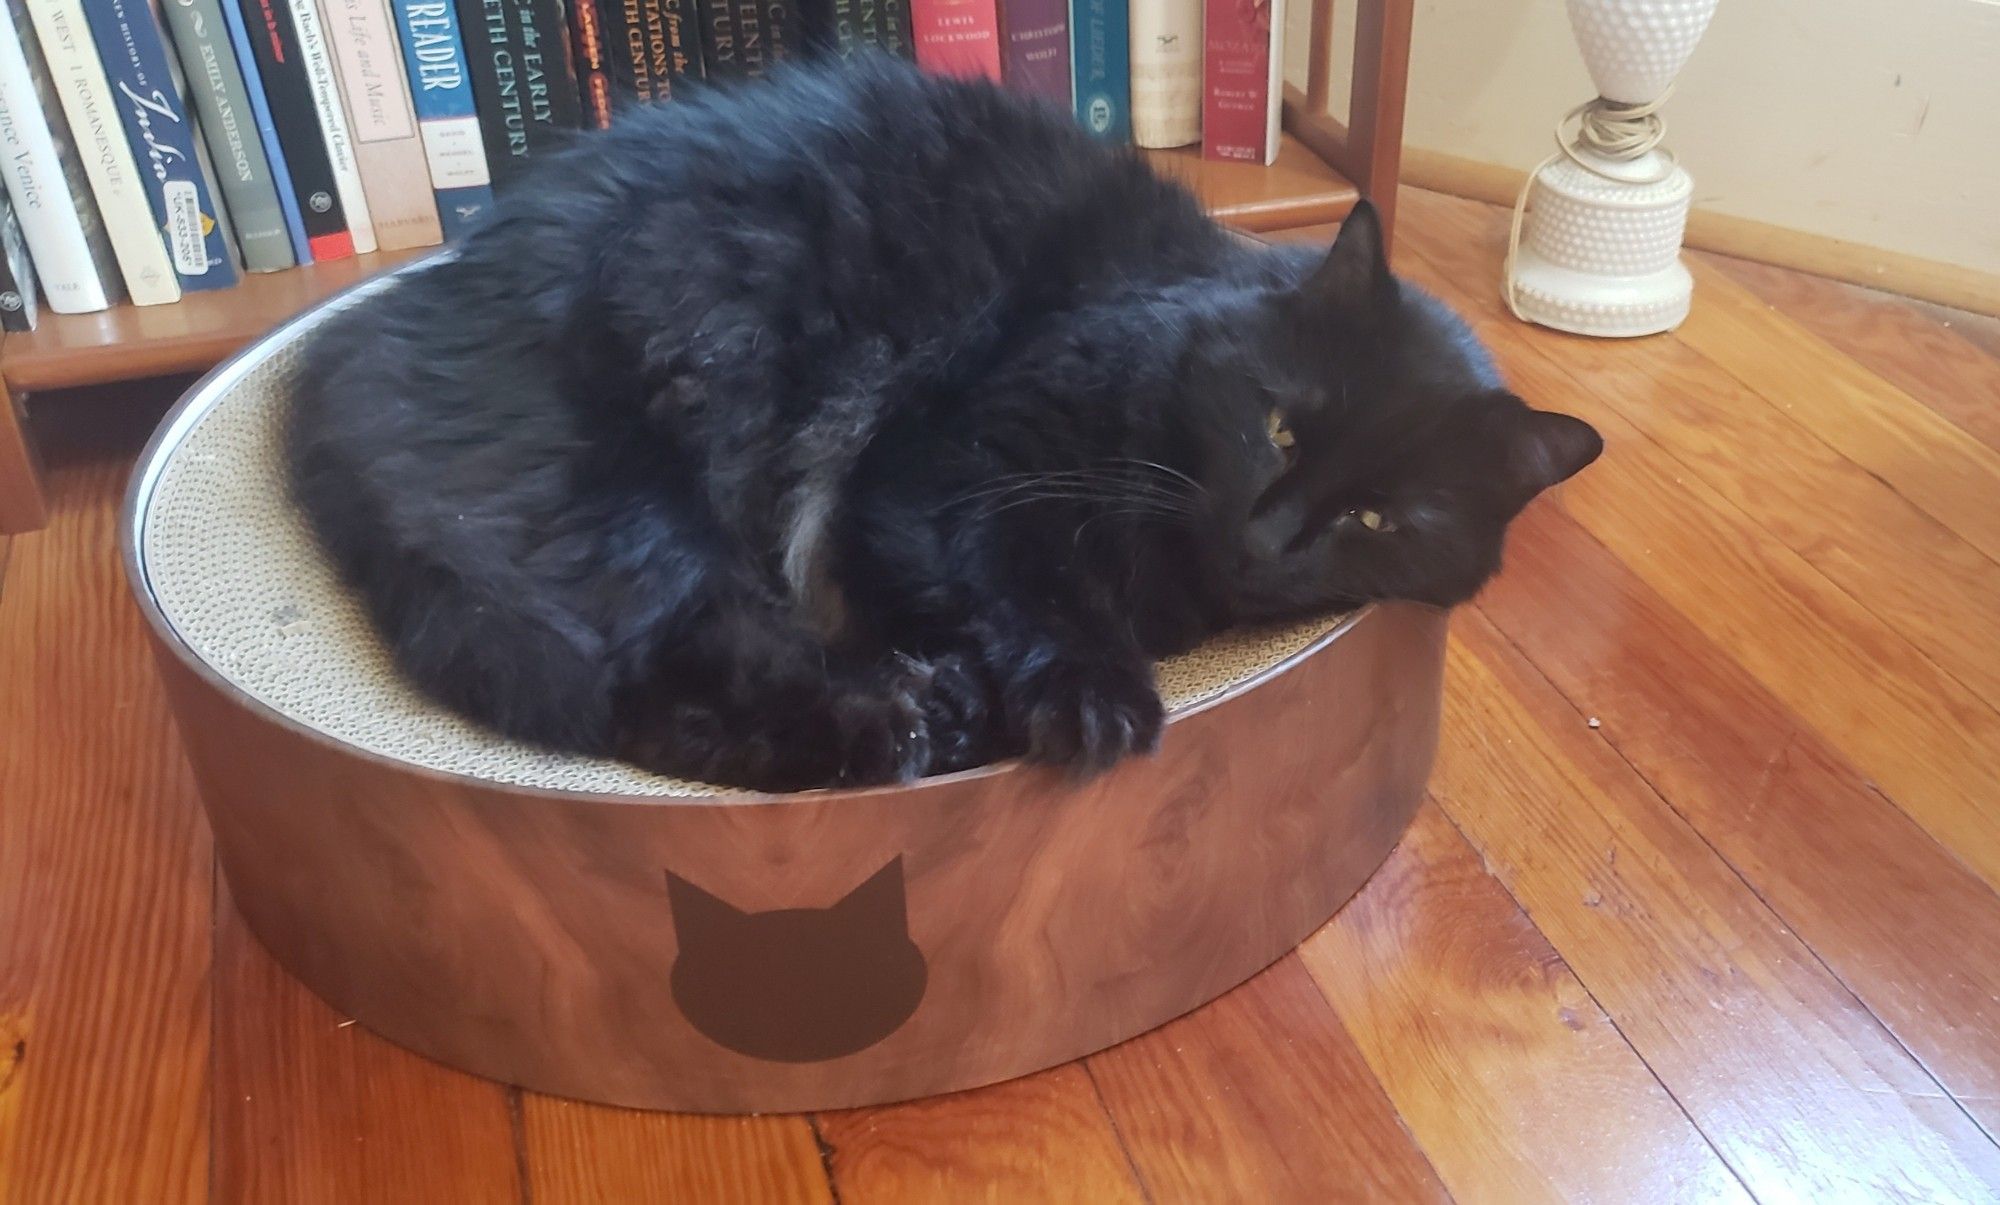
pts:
[857, 426]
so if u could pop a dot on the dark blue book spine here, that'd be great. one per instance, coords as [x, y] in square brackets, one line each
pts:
[158, 126]
[441, 90]
[267, 130]
[1101, 67]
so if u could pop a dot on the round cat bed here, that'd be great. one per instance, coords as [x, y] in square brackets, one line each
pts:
[581, 927]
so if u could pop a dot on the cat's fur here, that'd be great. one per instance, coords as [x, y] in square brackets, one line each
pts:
[857, 426]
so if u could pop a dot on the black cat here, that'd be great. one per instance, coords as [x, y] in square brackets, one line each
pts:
[859, 425]
[799, 984]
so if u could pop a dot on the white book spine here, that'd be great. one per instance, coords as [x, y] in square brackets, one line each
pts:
[333, 123]
[107, 156]
[1166, 72]
[50, 224]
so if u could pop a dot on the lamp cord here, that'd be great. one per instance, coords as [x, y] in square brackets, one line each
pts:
[1608, 128]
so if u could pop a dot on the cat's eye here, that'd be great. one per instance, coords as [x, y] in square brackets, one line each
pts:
[1373, 519]
[1279, 431]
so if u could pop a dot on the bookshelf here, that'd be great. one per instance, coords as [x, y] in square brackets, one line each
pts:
[1323, 166]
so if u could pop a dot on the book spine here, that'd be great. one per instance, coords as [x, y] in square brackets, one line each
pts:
[442, 94]
[1100, 68]
[635, 53]
[555, 105]
[324, 85]
[1241, 85]
[957, 37]
[88, 103]
[522, 82]
[593, 81]
[51, 195]
[216, 91]
[735, 44]
[17, 277]
[267, 130]
[673, 38]
[784, 32]
[1034, 48]
[890, 28]
[383, 123]
[288, 87]
[158, 126]
[1166, 71]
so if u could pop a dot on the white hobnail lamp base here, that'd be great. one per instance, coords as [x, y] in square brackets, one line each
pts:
[1600, 250]
[1604, 306]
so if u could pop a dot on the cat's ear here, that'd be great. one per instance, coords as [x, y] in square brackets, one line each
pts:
[1355, 273]
[1546, 448]
[695, 910]
[880, 896]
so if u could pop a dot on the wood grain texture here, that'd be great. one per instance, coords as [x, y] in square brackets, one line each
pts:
[1506, 1072]
[1376, 97]
[1261, 1096]
[1884, 906]
[23, 499]
[1755, 1038]
[1042, 1138]
[573, 1152]
[1297, 189]
[1928, 357]
[104, 884]
[310, 1107]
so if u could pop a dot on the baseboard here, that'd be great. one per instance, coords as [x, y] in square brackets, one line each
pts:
[1893, 271]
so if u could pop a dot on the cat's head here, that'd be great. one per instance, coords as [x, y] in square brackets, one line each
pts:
[1367, 448]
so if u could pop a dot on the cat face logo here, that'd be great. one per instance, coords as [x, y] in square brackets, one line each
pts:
[797, 985]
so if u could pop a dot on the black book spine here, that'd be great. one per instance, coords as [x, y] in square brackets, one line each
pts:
[288, 90]
[784, 30]
[892, 27]
[523, 86]
[734, 42]
[541, 31]
[683, 58]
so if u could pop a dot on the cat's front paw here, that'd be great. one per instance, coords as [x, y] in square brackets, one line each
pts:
[926, 716]
[1086, 713]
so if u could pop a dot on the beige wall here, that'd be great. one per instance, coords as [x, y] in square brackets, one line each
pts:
[1872, 121]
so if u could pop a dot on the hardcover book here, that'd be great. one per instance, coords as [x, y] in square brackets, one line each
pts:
[522, 82]
[1100, 67]
[43, 176]
[17, 278]
[387, 146]
[157, 126]
[274, 48]
[889, 27]
[323, 84]
[650, 44]
[1242, 80]
[1166, 71]
[1034, 48]
[267, 130]
[215, 88]
[92, 111]
[593, 79]
[957, 37]
[442, 93]
[736, 40]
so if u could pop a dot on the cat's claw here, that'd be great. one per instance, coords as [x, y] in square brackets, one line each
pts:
[1087, 714]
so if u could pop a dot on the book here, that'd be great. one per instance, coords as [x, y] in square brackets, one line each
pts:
[157, 124]
[91, 110]
[388, 150]
[736, 42]
[266, 130]
[274, 50]
[1034, 48]
[523, 86]
[649, 46]
[1166, 71]
[45, 179]
[784, 31]
[323, 85]
[17, 276]
[1101, 67]
[442, 94]
[1243, 84]
[889, 27]
[216, 90]
[957, 37]
[593, 79]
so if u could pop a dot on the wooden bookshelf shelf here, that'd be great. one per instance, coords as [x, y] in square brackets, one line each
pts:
[128, 342]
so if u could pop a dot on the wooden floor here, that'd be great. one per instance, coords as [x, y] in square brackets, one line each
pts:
[1704, 906]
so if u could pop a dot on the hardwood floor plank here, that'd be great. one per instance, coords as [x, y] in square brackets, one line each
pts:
[1930, 742]
[308, 1109]
[1906, 345]
[1041, 1138]
[1260, 1096]
[1512, 1080]
[1789, 1076]
[104, 883]
[1885, 906]
[1918, 577]
[577, 1152]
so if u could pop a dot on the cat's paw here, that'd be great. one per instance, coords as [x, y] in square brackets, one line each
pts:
[1086, 713]
[927, 716]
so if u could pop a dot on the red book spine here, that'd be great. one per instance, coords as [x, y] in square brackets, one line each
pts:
[586, 29]
[957, 37]
[1239, 98]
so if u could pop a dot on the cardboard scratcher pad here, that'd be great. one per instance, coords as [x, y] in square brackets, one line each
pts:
[242, 582]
